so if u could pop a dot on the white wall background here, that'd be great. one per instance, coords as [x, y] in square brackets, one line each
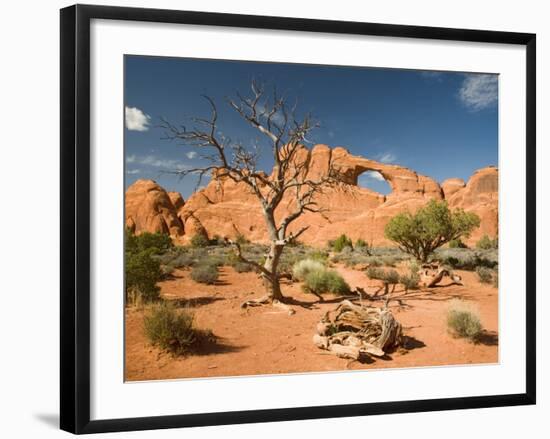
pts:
[29, 216]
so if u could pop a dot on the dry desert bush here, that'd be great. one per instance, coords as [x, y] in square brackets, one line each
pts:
[173, 329]
[463, 320]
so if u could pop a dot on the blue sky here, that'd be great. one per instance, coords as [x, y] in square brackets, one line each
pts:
[439, 124]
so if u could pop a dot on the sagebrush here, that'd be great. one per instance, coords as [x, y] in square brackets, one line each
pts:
[173, 330]
[205, 273]
[305, 266]
[319, 282]
[463, 320]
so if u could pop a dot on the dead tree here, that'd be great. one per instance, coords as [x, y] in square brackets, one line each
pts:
[289, 180]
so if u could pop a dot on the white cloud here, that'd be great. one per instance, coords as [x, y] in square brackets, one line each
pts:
[133, 171]
[151, 160]
[372, 174]
[191, 154]
[387, 157]
[136, 120]
[479, 91]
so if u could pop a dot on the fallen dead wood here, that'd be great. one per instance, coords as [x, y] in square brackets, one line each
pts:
[358, 332]
[432, 274]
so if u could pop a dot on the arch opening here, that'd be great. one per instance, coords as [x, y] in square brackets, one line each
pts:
[374, 181]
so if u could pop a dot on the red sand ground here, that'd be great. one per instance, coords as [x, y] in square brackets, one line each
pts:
[266, 340]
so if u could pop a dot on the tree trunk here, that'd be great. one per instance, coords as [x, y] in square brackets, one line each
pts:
[271, 282]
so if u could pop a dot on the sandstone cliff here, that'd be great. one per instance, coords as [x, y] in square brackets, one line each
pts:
[225, 208]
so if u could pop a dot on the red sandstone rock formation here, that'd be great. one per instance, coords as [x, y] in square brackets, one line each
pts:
[227, 209]
[150, 209]
[480, 195]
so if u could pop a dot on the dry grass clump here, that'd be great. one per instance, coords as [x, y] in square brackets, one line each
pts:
[205, 274]
[323, 281]
[387, 276]
[302, 268]
[484, 274]
[466, 259]
[463, 320]
[174, 330]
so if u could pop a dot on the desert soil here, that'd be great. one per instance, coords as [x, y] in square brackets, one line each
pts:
[266, 340]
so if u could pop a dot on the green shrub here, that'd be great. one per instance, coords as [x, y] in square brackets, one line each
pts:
[389, 261]
[341, 243]
[199, 240]
[323, 281]
[173, 330]
[302, 268]
[466, 259]
[409, 281]
[429, 228]
[167, 270]
[463, 321]
[486, 243]
[177, 257]
[155, 242]
[215, 260]
[375, 262]
[484, 274]
[376, 273]
[205, 274]
[390, 277]
[142, 268]
[183, 260]
[142, 274]
[457, 243]
[317, 255]
[361, 243]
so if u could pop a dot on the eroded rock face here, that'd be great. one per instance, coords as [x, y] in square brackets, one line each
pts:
[149, 208]
[226, 208]
[480, 195]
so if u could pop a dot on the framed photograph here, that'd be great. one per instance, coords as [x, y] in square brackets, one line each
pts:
[268, 219]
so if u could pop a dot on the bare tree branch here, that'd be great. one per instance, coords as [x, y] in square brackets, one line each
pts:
[286, 133]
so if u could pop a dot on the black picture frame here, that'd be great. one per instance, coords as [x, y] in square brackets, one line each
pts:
[75, 218]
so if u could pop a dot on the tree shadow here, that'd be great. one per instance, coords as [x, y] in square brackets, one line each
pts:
[488, 338]
[404, 300]
[289, 300]
[216, 346]
[194, 302]
[411, 343]
[408, 344]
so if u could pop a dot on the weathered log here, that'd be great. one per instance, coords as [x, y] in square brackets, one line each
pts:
[358, 332]
[351, 352]
[431, 274]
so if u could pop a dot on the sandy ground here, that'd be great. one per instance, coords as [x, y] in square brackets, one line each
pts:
[266, 340]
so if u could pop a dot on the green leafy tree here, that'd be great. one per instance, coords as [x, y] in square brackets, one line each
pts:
[429, 228]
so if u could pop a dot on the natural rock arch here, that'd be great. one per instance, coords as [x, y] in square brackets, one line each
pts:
[374, 181]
